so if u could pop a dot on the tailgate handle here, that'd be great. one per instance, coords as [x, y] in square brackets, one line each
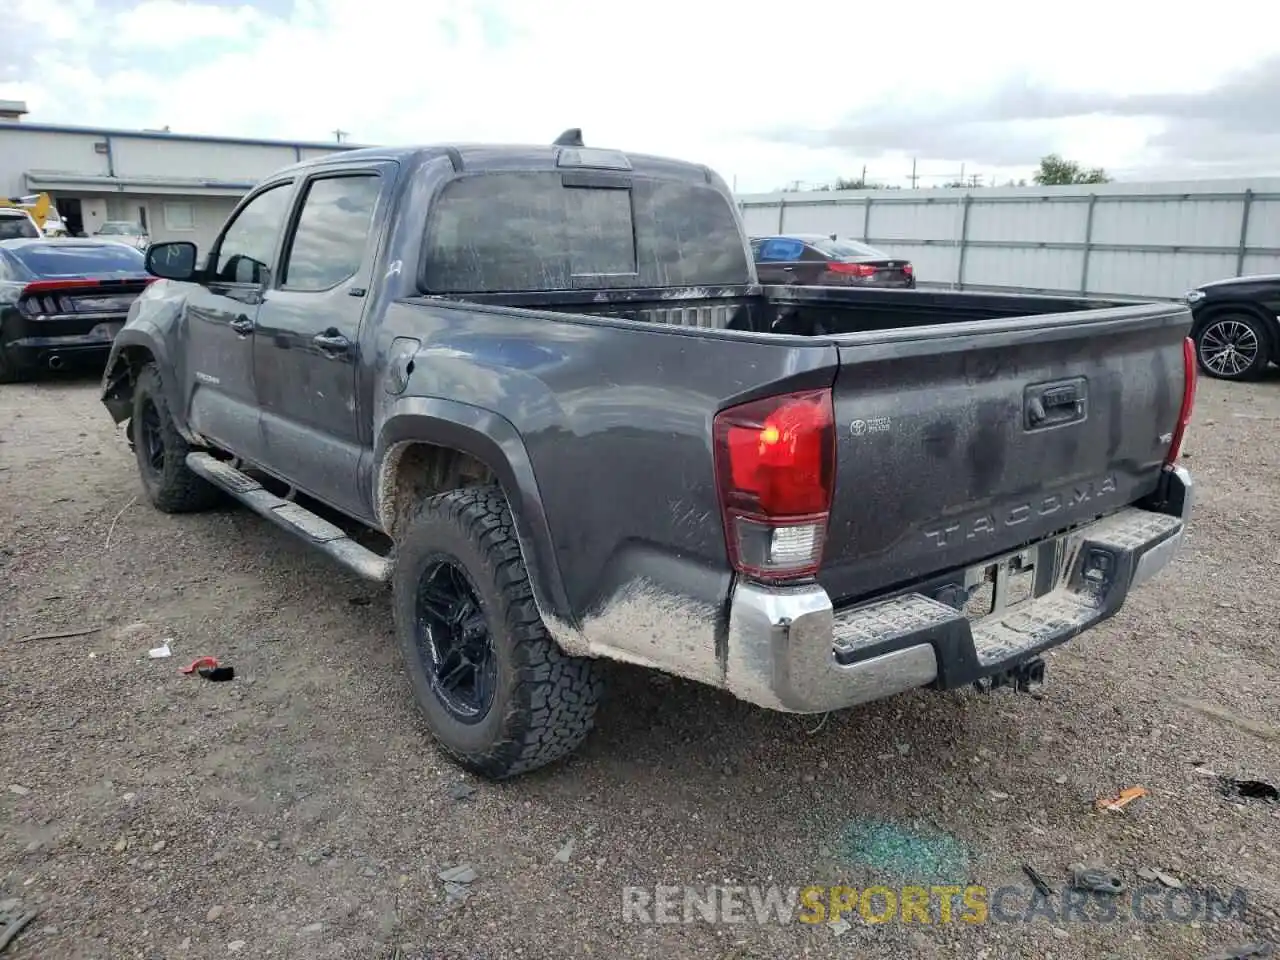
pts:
[1051, 404]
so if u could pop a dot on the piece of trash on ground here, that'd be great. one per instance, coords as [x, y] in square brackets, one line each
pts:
[1121, 800]
[60, 634]
[1095, 880]
[457, 881]
[1151, 873]
[839, 927]
[565, 852]
[210, 669]
[1250, 790]
[461, 790]
[160, 652]
[1037, 881]
[199, 662]
[12, 923]
[19, 789]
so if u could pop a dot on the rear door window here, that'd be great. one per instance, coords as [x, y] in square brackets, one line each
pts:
[543, 231]
[781, 250]
[329, 242]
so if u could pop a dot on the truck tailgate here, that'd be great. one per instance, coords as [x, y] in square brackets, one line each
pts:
[957, 443]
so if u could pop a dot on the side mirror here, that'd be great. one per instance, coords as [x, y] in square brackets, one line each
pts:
[175, 260]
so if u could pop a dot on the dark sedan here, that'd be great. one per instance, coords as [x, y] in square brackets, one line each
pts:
[1236, 330]
[815, 260]
[62, 300]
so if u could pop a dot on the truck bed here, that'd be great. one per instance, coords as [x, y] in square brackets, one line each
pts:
[938, 462]
[797, 311]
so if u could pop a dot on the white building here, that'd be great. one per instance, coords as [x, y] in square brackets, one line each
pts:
[178, 186]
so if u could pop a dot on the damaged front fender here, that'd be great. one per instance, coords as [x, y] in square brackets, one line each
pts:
[133, 348]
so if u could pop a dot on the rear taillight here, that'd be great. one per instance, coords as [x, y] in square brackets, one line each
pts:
[908, 269]
[1190, 374]
[775, 469]
[852, 269]
[42, 297]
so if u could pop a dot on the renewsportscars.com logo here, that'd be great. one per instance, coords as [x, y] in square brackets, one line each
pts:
[939, 904]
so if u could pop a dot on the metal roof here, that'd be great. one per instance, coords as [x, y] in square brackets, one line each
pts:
[21, 126]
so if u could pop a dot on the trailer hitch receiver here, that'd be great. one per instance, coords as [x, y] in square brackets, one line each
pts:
[1025, 677]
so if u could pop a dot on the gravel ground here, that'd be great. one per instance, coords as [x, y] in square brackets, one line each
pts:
[302, 810]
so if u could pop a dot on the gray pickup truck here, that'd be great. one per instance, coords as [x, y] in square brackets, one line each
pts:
[540, 391]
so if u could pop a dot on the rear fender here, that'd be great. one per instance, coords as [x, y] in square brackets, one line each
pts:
[494, 442]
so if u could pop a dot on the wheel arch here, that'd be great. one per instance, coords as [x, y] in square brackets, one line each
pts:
[426, 446]
[131, 350]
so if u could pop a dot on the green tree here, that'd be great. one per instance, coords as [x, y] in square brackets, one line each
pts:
[849, 183]
[1055, 172]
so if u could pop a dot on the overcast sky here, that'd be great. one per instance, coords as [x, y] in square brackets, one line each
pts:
[766, 93]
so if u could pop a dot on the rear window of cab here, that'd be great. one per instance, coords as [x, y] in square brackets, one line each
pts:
[541, 231]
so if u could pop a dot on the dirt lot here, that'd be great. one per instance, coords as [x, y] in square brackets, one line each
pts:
[302, 811]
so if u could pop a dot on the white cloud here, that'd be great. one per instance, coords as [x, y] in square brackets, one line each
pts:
[156, 23]
[699, 79]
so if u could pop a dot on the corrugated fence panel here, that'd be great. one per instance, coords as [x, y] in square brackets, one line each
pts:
[1264, 223]
[1176, 222]
[907, 220]
[759, 220]
[1036, 219]
[1261, 263]
[1141, 273]
[844, 219]
[1116, 239]
[929, 260]
[1032, 269]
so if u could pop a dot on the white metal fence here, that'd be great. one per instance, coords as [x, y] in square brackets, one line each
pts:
[1153, 240]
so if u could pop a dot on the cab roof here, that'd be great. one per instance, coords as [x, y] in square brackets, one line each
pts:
[487, 158]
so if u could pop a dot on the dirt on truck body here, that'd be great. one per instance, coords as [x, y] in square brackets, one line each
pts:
[549, 377]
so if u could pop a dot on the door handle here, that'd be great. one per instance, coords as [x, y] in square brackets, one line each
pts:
[788, 269]
[331, 343]
[242, 325]
[1050, 404]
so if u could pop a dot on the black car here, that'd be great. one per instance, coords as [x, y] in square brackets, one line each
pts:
[1237, 326]
[816, 260]
[63, 299]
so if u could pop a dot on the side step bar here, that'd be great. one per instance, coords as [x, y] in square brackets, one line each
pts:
[317, 531]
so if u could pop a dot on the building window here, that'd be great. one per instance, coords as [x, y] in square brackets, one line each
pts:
[179, 216]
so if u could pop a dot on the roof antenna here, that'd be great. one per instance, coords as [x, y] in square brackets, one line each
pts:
[570, 138]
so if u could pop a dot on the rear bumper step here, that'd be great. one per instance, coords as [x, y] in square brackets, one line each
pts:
[788, 649]
[315, 530]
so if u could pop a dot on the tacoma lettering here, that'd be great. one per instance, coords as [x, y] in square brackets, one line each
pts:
[988, 524]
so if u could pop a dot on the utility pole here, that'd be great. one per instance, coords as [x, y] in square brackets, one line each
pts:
[864, 176]
[339, 134]
[914, 176]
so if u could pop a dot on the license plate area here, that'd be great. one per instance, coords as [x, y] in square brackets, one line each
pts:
[105, 331]
[995, 588]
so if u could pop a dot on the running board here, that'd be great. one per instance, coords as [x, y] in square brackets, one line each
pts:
[315, 530]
